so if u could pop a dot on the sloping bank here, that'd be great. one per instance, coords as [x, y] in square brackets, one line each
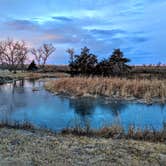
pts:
[116, 88]
[20, 147]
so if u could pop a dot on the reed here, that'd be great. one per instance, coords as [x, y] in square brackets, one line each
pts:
[118, 132]
[112, 87]
[16, 125]
[114, 131]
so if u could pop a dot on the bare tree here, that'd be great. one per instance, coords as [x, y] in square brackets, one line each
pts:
[41, 54]
[71, 52]
[13, 53]
[47, 50]
[38, 55]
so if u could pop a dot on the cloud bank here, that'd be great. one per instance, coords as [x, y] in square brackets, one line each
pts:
[137, 27]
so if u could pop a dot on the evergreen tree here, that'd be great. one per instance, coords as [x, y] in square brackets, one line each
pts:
[85, 63]
[32, 66]
[119, 63]
[104, 68]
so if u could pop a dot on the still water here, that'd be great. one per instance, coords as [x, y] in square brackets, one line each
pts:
[19, 103]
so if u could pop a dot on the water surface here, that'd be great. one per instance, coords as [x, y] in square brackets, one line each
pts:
[18, 102]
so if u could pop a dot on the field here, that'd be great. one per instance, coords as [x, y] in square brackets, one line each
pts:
[6, 76]
[20, 147]
[149, 72]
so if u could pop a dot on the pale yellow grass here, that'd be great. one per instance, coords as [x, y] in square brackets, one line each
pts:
[112, 87]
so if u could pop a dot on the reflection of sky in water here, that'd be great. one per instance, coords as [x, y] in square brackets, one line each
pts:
[19, 103]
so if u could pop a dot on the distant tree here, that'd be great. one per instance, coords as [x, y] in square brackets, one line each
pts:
[85, 63]
[104, 68]
[119, 63]
[13, 54]
[32, 66]
[47, 50]
[71, 52]
[41, 54]
[38, 55]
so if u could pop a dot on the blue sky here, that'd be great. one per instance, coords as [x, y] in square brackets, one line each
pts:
[138, 27]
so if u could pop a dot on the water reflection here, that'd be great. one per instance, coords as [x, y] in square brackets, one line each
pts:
[13, 97]
[84, 109]
[19, 102]
[82, 106]
[115, 107]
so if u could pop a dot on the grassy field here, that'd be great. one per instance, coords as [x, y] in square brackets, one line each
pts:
[123, 88]
[20, 147]
[6, 76]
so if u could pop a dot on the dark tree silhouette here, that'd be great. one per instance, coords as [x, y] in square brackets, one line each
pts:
[118, 63]
[71, 52]
[104, 68]
[85, 63]
[32, 66]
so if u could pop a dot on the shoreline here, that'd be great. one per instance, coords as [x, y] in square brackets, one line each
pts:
[110, 99]
[9, 77]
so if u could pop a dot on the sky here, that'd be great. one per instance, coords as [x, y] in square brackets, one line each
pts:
[137, 27]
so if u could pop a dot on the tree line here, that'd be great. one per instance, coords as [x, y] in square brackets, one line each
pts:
[87, 63]
[15, 54]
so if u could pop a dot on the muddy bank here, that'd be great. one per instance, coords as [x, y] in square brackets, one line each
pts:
[20, 147]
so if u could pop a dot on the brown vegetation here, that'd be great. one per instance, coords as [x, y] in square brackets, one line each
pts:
[149, 72]
[118, 132]
[19, 147]
[16, 125]
[112, 87]
[6, 77]
[114, 131]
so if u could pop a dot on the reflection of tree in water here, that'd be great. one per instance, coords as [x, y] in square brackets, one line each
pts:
[162, 107]
[15, 98]
[116, 107]
[18, 86]
[32, 81]
[163, 111]
[84, 108]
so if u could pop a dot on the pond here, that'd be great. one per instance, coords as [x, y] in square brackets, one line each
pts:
[28, 101]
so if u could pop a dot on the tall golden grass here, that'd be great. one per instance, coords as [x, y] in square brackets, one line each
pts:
[113, 87]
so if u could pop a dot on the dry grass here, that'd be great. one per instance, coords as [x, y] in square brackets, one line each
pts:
[118, 132]
[16, 125]
[6, 76]
[19, 147]
[112, 87]
[113, 131]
